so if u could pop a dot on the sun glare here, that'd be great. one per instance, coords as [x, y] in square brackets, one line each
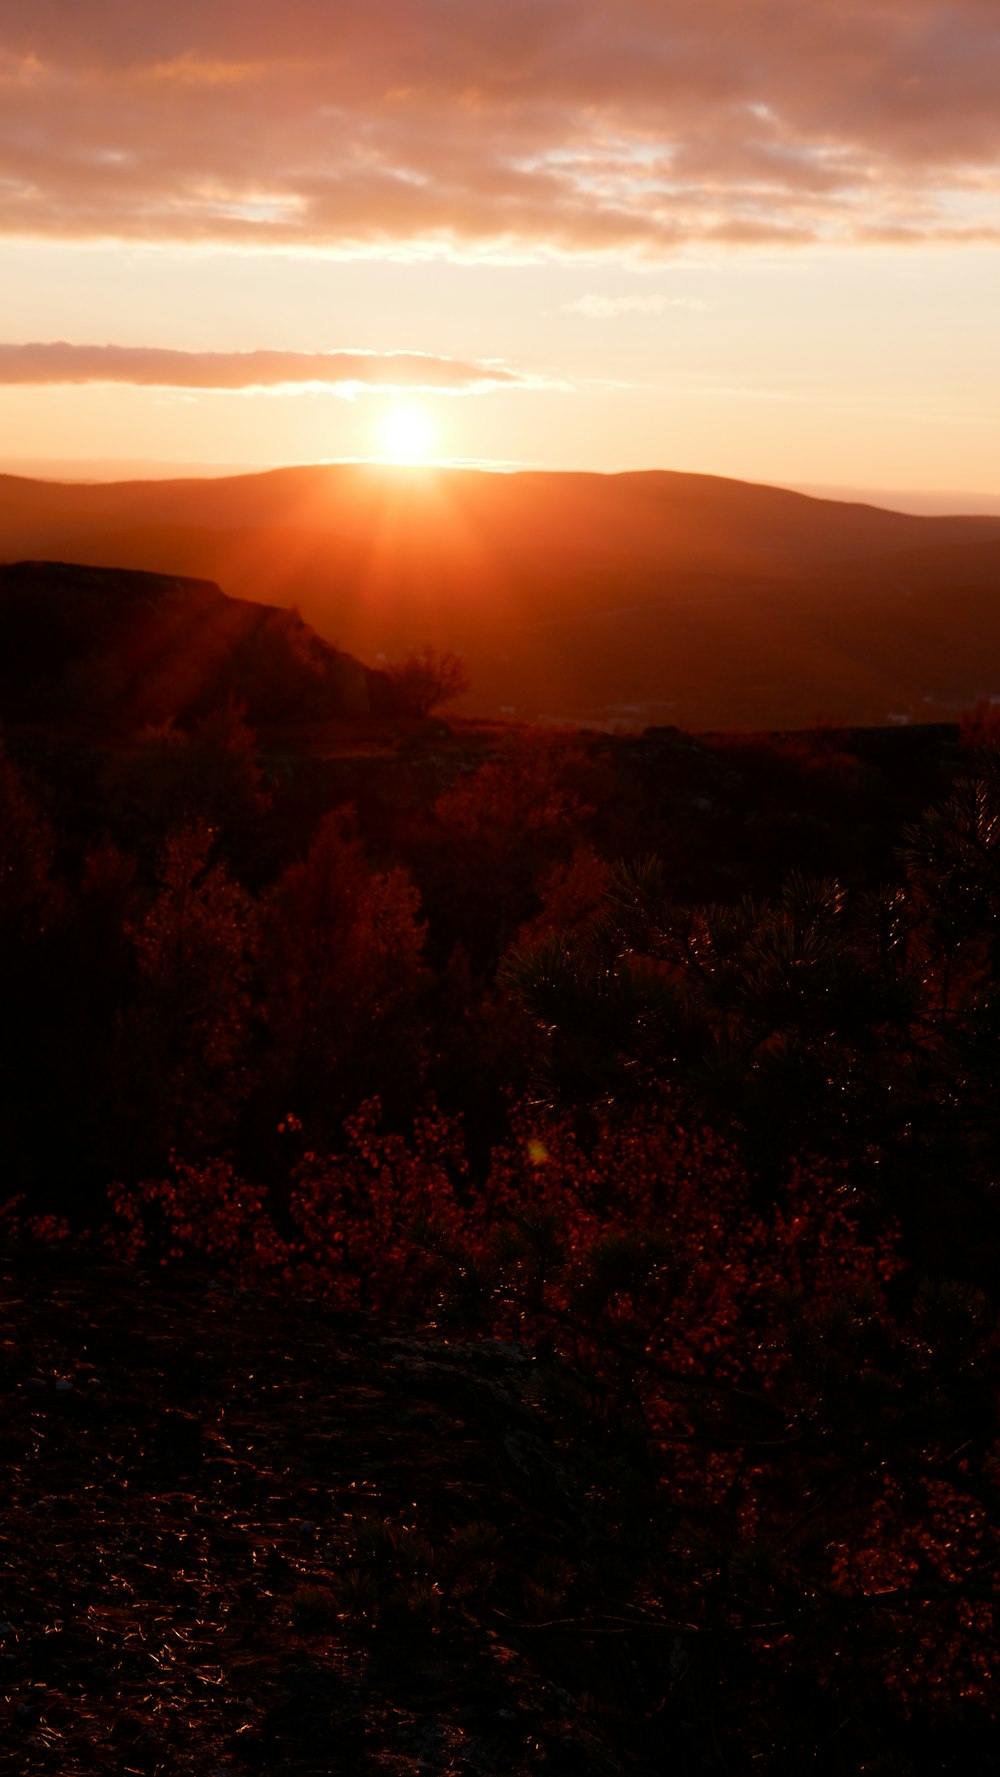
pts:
[407, 435]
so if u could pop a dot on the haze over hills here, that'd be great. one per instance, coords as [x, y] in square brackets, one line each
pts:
[635, 598]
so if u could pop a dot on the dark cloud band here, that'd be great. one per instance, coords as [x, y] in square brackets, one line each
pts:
[540, 124]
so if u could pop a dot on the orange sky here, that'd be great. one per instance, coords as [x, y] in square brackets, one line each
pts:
[755, 237]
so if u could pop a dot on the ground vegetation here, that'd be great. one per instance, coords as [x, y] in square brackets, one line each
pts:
[501, 1248]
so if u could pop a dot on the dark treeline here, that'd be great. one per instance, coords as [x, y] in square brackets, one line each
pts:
[198, 937]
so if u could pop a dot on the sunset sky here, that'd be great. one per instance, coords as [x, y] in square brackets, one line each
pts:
[757, 238]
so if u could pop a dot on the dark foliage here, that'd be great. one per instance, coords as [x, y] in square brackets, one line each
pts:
[665, 1189]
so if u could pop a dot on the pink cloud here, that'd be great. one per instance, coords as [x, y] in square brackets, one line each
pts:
[576, 125]
[161, 367]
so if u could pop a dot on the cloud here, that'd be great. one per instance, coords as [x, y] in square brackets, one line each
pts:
[534, 127]
[161, 367]
[606, 308]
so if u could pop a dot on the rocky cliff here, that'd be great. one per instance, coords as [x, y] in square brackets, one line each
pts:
[124, 648]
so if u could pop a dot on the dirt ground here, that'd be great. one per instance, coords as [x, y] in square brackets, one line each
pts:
[189, 1476]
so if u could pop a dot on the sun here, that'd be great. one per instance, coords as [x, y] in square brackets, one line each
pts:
[407, 435]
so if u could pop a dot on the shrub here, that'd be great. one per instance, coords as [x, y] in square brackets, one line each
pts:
[425, 680]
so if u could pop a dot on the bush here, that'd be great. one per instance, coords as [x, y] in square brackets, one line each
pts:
[424, 680]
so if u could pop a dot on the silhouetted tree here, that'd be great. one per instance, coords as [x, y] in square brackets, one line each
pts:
[168, 776]
[27, 890]
[343, 969]
[184, 1044]
[493, 839]
[426, 680]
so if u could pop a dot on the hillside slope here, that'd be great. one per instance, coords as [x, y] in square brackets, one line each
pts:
[123, 648]
[629, 598]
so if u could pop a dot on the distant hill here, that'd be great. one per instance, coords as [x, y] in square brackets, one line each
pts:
[636, 598]
[121, 649]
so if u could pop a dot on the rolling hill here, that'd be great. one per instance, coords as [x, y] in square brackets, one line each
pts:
[632, 599]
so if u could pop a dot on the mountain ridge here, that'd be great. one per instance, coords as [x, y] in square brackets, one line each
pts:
[382, 560]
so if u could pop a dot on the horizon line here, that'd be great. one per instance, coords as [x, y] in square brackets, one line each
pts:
[103, 471]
